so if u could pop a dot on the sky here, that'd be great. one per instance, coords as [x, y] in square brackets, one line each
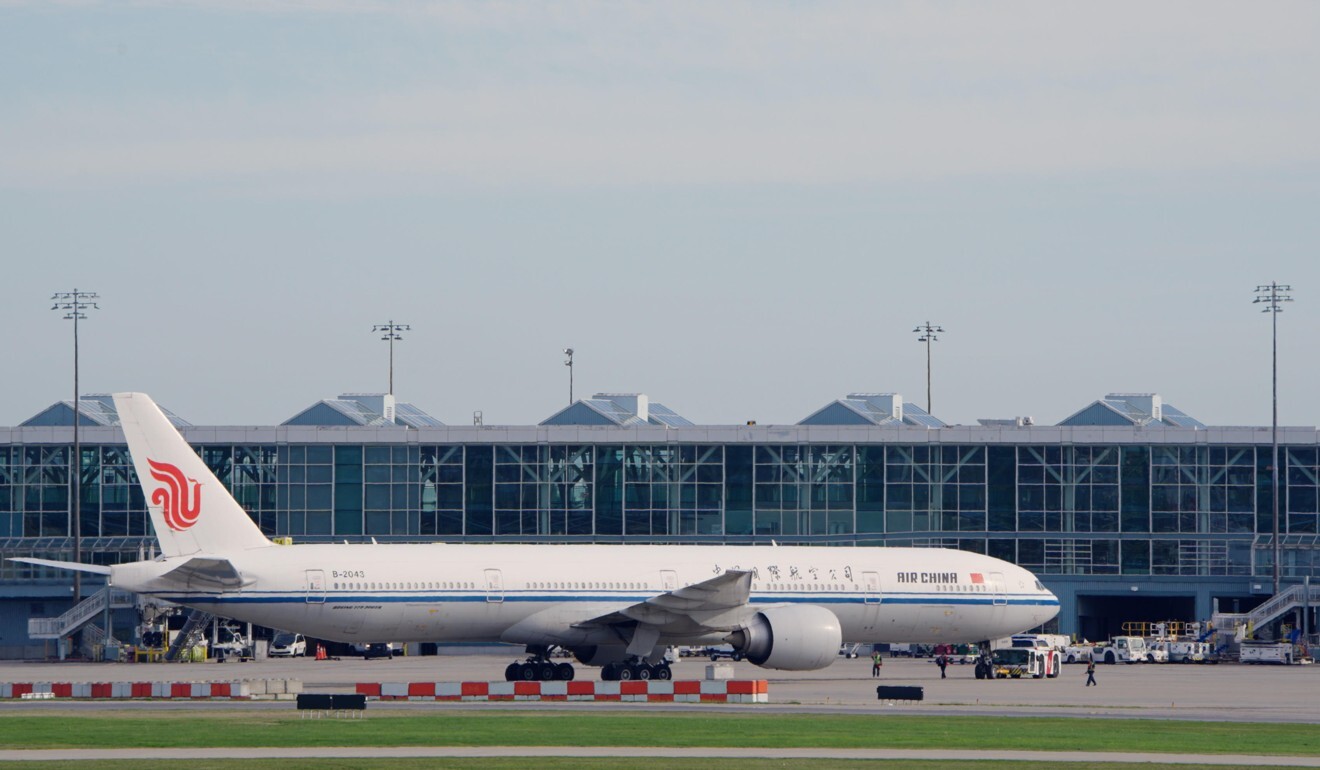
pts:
[741, 209]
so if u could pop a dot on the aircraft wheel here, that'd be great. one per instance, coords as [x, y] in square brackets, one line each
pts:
[609, 673]
[642, 671]
[663, 672]
[512, 673]
[564, 672]
[626, 673]
[547, 671]
[527, 672]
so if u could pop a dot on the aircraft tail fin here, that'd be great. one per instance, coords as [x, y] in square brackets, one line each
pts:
[190, 509]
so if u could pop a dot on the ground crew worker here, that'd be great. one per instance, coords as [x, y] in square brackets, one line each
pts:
[942, 661]
[876, 663]
[1090, 673]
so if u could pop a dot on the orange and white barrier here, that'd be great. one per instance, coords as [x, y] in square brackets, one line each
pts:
[255, 689]
[635, 691]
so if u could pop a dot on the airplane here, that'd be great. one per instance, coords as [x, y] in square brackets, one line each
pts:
[615, 606]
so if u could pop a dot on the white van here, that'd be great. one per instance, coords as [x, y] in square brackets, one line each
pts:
[288, 645]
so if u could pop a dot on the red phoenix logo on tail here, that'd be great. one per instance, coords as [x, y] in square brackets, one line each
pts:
[180, 508]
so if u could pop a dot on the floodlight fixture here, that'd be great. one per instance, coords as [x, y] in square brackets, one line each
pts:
[929, 333]
[569, 363]
[75, 304]
[1271, 296]
[390, 332]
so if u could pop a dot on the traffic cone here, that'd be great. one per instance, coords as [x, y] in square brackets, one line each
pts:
[320, 652]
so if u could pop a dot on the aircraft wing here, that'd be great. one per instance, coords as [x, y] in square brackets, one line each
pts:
[717, 604]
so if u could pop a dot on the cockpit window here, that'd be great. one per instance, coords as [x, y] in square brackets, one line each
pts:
[1040, 586]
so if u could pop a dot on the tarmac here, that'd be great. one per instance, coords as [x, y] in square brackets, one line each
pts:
[1225, 692]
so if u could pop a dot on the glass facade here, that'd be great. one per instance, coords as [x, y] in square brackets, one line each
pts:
[1057, 509]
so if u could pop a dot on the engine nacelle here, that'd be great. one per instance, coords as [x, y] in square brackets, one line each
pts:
[791, 638]
[602, 654]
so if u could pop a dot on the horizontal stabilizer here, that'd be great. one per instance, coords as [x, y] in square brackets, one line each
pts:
[202, 573]
[95, 569]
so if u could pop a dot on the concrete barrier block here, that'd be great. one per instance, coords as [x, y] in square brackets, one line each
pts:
[275, 687]
[551, 689]
[719, 671]
[421, 690]
[6, 690]
[369, 689]
[293, 686]
[714, 687]
[659, 687]
[448, 690]
[393, 689]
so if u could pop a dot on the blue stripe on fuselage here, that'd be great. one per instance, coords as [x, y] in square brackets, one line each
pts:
[431, 598]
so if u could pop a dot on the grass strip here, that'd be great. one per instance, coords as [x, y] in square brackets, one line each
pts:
[238, 728]
[588, 763]
[592, 764]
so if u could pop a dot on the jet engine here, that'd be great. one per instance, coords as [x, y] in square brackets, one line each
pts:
[602, 654]
[791, 638]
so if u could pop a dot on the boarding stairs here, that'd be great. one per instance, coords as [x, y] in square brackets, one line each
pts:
[1272, 609]
[82, 613]
[94, 639]
[192, 632]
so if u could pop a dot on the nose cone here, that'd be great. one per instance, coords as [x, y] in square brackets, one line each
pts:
[1047, 605]
[1050, 608]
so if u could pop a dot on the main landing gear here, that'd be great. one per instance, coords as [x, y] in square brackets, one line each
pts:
[637, 669]
[538, 667]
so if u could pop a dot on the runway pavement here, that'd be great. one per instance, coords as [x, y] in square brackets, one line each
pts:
[1226, 692]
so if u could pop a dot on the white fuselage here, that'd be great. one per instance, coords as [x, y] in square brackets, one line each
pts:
[534, 594]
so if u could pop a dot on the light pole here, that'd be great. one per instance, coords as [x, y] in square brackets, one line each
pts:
[928, 332]
[1271, 295]
[391, 333]
[73, 303]
[569, 363]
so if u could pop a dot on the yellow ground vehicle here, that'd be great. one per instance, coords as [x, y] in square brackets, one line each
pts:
[1017, 662]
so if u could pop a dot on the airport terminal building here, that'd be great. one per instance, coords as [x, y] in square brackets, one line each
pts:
[1128, 510]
